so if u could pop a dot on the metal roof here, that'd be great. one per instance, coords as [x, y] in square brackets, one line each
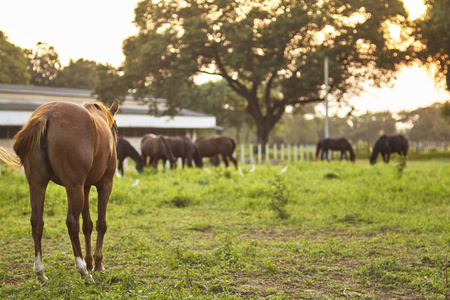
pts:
[18, 109]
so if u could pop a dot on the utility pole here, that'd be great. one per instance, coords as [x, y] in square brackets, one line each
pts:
[327, 125]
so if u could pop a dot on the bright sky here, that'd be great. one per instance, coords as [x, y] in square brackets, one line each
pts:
[95, 30]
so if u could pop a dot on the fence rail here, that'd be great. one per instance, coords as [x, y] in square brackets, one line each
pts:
[253, 153]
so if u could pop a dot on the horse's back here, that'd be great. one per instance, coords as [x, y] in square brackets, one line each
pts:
[219, 144]
[72, 138]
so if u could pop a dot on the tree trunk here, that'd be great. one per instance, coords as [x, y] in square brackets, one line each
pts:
[262, 132]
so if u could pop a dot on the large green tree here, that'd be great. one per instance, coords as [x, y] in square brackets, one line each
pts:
[79, 74]
[218, 99]
[270, 52]
[43, 64]
[434, 32]
[13, 63]
[427, 124]
[108, 84]
[370, 126]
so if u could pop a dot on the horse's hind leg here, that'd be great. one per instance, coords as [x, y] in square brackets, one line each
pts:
[120, 166]
[233, 160]
[37, 196]
[225, 160]
[87, 229]
[104, 191]
[75, 197]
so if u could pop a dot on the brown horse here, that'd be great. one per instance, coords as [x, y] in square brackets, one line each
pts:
[156, 147]
[124, 149]
[181, 147]
[388, 144]
[212, 146]
[341, 144]
[73, 146]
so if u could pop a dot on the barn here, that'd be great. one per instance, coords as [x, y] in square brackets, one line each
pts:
[17, 103]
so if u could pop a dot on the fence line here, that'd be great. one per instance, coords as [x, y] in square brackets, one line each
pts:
[276, 153]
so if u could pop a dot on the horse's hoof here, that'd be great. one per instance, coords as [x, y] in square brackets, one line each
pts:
[88, 280]
[100, 269]
[43, 279]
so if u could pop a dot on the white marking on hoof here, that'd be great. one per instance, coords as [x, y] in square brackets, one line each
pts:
[38, 269]
[80, 265]
[88, 280]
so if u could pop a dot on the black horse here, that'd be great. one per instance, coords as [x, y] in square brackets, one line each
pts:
[342, 144]
[388, 144]
[124, 149]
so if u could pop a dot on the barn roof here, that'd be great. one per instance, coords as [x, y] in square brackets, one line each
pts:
[17, 102]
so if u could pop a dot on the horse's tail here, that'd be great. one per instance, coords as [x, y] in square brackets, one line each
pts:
[169, 152]
[318, 150]
[233, 142]
[27, 139]
[9, 157]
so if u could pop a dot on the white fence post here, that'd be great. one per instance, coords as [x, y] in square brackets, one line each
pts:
[251, 153]
[274, 151]
[242, 153]
[259, 153]
[302, 152]
[289, 152]
[267, 153]
[282, 152]
[295, 153]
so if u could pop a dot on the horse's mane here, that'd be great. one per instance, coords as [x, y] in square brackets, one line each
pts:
[96, 107]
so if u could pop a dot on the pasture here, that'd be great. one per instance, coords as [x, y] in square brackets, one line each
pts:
[315, 230]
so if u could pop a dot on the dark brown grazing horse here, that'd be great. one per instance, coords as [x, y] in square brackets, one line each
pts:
[341, 144]
[212, 146]
[181, 147]
[124, 149]
[73, 146]
[154, 148]
[388, 144]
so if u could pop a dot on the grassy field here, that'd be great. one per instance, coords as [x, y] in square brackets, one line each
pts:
[315, 230]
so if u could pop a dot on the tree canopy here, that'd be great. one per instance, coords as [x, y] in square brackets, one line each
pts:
[434, 32]
[13, 63]
[269, 52]
[78, 74]
[43, 64]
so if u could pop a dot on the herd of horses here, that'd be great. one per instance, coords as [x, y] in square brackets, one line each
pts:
[168, 148]
[77, 147]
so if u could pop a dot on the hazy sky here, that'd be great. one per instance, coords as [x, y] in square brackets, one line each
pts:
[95, 30]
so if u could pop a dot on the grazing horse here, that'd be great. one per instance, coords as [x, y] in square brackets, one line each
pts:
[181, 147]
[341, 144]
[213, 146]
[156, 147]
[388, 144]
[124, 149]
[73, 146]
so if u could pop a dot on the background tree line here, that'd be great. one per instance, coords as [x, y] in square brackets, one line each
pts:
[269, 57]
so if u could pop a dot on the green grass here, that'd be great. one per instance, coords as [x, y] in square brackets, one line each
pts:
[316, 231]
